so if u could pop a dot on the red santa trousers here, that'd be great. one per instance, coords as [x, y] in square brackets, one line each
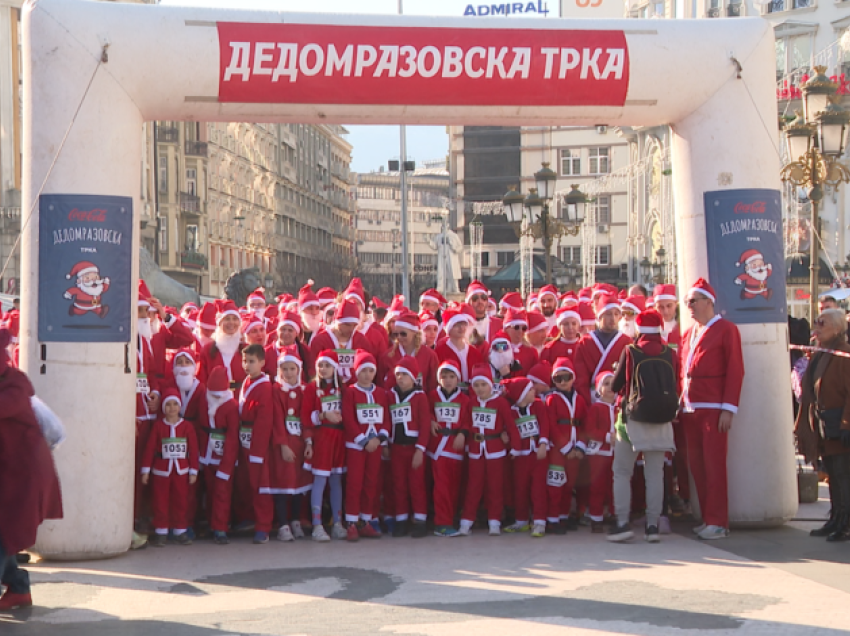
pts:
[447, 474]
[601, 485]
[219, 492]
[362, 483]
[484, 474]
[530, 486]
[583, 486]
[707, 448]
[680, 461]
[249, 479]
[409, 484]
[508, 484]
[170, 497]
[561, 497]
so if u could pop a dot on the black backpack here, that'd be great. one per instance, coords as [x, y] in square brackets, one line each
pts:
[652, 394]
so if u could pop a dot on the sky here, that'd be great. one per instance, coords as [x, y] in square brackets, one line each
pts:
[373, 145]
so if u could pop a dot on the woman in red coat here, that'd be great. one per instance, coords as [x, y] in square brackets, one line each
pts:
[29, 487]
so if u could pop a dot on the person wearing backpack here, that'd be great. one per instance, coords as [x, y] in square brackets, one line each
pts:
[647, 378]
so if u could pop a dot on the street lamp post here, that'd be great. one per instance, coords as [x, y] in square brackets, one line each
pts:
[816, 140]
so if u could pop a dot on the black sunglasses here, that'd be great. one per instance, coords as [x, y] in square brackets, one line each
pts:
[523, 327]
[562, 378]
[397, 334]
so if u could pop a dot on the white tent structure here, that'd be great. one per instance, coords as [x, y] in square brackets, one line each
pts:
[94, 72]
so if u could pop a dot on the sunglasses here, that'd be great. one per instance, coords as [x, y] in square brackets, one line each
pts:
[399, 334]
[477, 298]
[519, 327]
[500, 347]
[562, 378]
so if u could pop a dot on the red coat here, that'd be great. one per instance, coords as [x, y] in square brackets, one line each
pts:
[219, 452]
[29, 487]
[287, 478]
[527, 357]
[256, 414]
[151, 359]
[362, 424]
[413, 425]
[566, 421]
[311, 407]
[712, 366]
[178, 438]
[428, 364]
[211, 358]
[599, 428]
[327, 340]
[193, 408]
[490, 418]
[592, 358]
[379, 339]
[559, 348]
[440, 445]
[447, 351]
[524, 440]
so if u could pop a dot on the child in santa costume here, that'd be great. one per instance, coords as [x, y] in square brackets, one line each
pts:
[599, 427]
[288, 479]
[321, 423]
[568, 321]
[529, 436]
[567, 411]
[171, 455]
[219, 448]
[455, 347]
[411, 429]
[491, 415]
[452, 419]
[541, 375]
[366, 417]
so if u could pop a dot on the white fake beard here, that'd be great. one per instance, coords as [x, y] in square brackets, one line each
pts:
[228, 345]
[492, 312]
[628, 327]
[216, 399]
[144, 326]
[185, 378]
[92, 289]
[759, 273]
[312, 322]
[500, 359]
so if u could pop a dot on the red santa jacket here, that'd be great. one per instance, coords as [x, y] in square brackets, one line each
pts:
[599, 428]
[211, 358]
[256, 414]
[151, 360]
[287, 478]
[312, 406]
[379, 339]
[490, 418]
[308, 366]
[453, 415]
[193, 408]
[365, 415]
[526, 356]
[567, 413]
[529, 428]
[172, 449]
[465, 361]
[426, 358]
[328, 340]
[559, 348]
[592, 358]
[222, 445]
[712, 366]
[410, 419]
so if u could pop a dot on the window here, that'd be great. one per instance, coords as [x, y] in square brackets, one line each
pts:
[505, 258]
[793, 53]
[485, 259]
[191, 181]
[603, 255]
[163, 234]
[603, 209]
[162, 173]
[598, 158]
[570, 162]
[192, 242]
[571, 254]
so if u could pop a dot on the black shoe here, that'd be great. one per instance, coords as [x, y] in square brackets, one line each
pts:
[826, 529]
[220, 538]
[157, 540]
[400, 529]
[651, 535]
[572, 523]
[420, 529]
[184, 538]
[842, 528]
[559, 528]
[620, 533]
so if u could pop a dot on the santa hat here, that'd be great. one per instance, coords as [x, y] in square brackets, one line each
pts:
[588, 318]
[547, 290]
[307, 297]
[702, 287]
[185, 352]
[271, 313]
[650, 302]
[476, 287]
[206, 317]
[249, 321]
[290, 318]
[187, 307]
[636, 303]
[536, 321]
[347, 313]
[330, 356]
[463, 313]
[565, 313]
[408, 365]
[396, 307]
[426, 319]
[257, 294]
[289, 353]
[354, 291]
[217, 380]
[649, 321]
[515, 317]
[326, 296]
[283, 299]
[747, 256]
[511, 300]
[364, 360]
[604, 288]
[516, 389]
[377, 303]
[225, 308]
[498, 337]
[532, 301]
[569, 299]
[491, 305]
[80, 269]
[609, 302]
[541, 373]
[170, 394]
[600, 378]
[585, 295]
[664, 292]
[563, 364]
[622, 294]
[408, 320]
[449, 365]
[481, 371]
[433, 295]
[144, 294]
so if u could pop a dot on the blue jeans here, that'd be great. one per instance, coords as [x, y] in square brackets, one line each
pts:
[13, 577]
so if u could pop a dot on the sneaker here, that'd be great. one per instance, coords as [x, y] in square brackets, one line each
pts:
[338, 532]
[446, 531]
[495, 530]
[420, 530]
[297, 530]
[651, 534]
[664, 525]
[319, 533]
[351, 534]
[465, 531]
[518, 527]
[285, 534]
[183, 538]
[11, 601]
[139, 541]
[376, 524]
[538, 530]
[368, 531]
[585, 520]
[597, 527]
[157, 540]
[261, 537]
[699, 528]
[220, 537]
[620, 533]
[713, 532]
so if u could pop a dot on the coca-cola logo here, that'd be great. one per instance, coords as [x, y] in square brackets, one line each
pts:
[756, 207]
[92, 216]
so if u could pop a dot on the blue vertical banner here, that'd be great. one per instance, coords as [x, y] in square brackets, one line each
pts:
[746, 254]
[84, 268]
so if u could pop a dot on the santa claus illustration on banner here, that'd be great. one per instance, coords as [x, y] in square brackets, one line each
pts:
[754, 278]
[86, 296]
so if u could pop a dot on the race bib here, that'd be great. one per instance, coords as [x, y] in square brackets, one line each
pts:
[293, 425]
[142, 385]
[447, 412]
[245, 435]
[528, 426]
[217, 443]
[346, 358]
[370, 413]
[331, 403]
[593, 447]
[484, 418]
[556, 476]
[401, 414]
[174, 448]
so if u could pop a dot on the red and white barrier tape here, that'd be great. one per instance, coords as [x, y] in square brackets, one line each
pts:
[840, 354]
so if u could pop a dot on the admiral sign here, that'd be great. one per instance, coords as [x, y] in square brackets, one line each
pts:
[332, 64]
[508, 8]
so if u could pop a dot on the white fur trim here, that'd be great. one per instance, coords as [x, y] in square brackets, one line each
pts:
[229, 312]
[664, 297]
[568, 314]
[457, 319]
[407, 325]
[649, 329]
[291, 323]
[481, 377]
[366, 365]
[608, 307]
[700, 290]
[330, 361]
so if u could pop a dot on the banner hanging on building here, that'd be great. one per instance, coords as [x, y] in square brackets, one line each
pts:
[84, 268]
[332, 64]
[746, 254]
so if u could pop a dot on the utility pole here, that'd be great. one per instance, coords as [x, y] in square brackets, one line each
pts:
[405, 265]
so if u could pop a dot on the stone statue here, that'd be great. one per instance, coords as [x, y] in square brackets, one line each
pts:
[163, 287]
[240, 284]
[449, 247]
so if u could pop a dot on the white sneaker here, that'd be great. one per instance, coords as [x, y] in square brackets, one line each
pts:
[465, 531]
[699, 528]
[297, 530]
[285, 534]
[538, 530]
[319, 533]
[713, 532]
[338, 532]
[495, 530]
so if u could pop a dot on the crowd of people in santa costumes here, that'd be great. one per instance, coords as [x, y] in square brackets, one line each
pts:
[339, 416]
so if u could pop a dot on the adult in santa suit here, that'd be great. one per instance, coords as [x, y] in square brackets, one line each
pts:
[433, 302]
[568, 320]
[257, 303]
[712, 375]
[407, 341]
[477, 295]
[538, 331]
[547, 300]
[310, 310]
[226, 348]
[288, 332]
[599, 350]
[455, 348]
[516, 326]
[630, 307]
[378, 337]
[205, 325]
[29, 487]
[588, 317]
[343, 338]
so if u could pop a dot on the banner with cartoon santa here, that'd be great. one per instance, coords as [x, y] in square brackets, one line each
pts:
[85, 268]
[746, 256]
